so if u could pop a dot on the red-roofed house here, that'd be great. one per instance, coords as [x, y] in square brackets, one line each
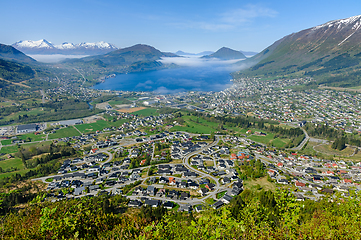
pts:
[299, 184]
[94, 150]
[330, 173]
[280, 164]
[347, 181]
[172, 181]
[272, 173]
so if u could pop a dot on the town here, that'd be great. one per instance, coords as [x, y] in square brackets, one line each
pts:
[151, 163]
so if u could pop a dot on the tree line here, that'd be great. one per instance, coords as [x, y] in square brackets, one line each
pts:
[251, 215]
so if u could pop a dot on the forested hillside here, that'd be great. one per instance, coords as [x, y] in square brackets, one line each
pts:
[252, 215]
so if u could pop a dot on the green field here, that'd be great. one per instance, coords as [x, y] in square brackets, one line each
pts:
[328, 150]
[6, 104]
[6, 142]
[279, 143]
[32, 136]
[193, 128]
[9, 149]
[92, 127]
[269, 139]
[8, 174]
[203, 122]
[202, 127]
[99, 125]
[146, 112]
[64, 132]
[119, 102]
[34, 111]
[14, 162]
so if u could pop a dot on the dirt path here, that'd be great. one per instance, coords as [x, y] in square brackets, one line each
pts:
[17, 84]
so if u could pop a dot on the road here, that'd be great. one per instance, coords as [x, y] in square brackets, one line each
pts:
[81, 75]
[78, 130]
[43, 96]
[303, 143]
[305, 140]
[187, 165]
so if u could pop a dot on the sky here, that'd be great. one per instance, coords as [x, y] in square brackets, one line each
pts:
[168, 25]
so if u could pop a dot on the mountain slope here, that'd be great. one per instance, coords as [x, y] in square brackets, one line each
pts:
[44, 47]
[9, 53]
[136, 58]
[15, 72]
[333, 48]
[126, 56]
[225, 53]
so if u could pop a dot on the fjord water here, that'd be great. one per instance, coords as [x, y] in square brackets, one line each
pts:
[191, 78]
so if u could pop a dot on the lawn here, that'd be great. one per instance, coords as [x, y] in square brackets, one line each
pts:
[146, 112]
[221, 194]
[64, 132]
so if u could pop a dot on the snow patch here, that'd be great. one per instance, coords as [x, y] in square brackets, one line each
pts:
[356, 20]
[44, 44]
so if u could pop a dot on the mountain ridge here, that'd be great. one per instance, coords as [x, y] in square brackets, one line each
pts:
[225, 53]
[328, 50]
[45, 47]
[10, 53]
[136, 58]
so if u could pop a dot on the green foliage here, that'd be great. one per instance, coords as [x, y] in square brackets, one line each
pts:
[129, 187]
[339, 144]
[251, 215]
[252, 169]
[14, 71]
[51, 111]
[40, 166]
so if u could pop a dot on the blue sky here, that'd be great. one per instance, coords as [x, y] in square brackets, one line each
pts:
[168, 25]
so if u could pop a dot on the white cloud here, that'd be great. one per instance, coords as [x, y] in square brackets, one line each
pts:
[230, 19]
[197, 61]
[247, 14]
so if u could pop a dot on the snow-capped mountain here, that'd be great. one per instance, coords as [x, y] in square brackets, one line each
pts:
[45, 47]
[33, 44]
[329, 48]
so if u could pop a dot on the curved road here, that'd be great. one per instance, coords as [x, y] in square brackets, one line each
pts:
[187, 165]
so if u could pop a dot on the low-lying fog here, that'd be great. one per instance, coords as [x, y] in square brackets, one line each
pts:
[54, 58]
